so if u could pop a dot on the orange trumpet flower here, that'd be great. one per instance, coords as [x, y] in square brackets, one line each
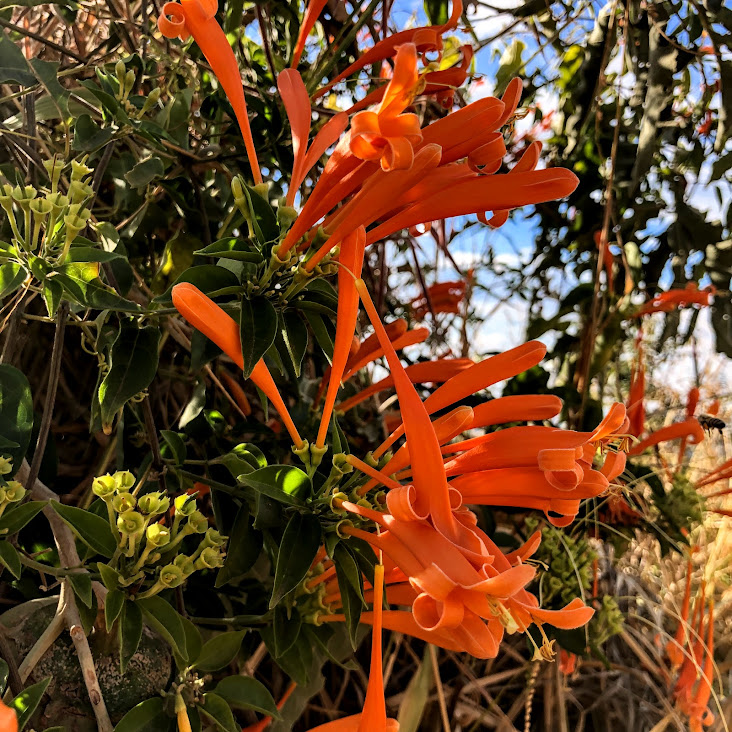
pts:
[442, 297]
[8, 719]
[664, 302]
[313, 9]
[197, 18]
[388, 135]
[206, 316]
[426, 40]
[689, 429]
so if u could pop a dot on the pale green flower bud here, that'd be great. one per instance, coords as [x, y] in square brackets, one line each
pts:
[123, 502]
[79, 170]
[210, 558]
[153, 503]
[185, 564]
[124, 480]
[152, 100]
[6, 465]
[171, 576]
[185, 505]
[197, 522]
[104, 487]
[130, 522]
[14, 491]
[23, 196]
[214, 538]
[158, 535]
[79, 191]
[237, 190]
[129, 81]
[120, 69]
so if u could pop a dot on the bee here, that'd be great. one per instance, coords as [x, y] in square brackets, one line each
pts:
[710, 423]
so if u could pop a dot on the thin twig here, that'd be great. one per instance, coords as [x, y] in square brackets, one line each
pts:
[15, 681]
[35, 36]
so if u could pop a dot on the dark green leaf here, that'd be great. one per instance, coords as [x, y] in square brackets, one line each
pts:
[194, 642]
[220, 651]
[244, 692]
[81, 582]
[216, 709]
[113, 605]
[110, 578]
[299, 545]
[130, 633]
[264, 219]
[167, 622]
[231, 248]
[13, 66]
[88, 136]
[284, 483]
[145, 172]
[16, 413]
[321, 332]
[47, 73]
[133, 363]
[26, 702]
[93, 530]
[14, 519]
[206, 277]
[244, 548]
[149, 716]
[91, 254]
[258, 328]
[52, 293]
[91, 293]
[295, 336]
[177, 447]
[10, 558]
[286, 626]
[350, 583]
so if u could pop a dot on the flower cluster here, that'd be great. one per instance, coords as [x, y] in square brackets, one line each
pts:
[149, 553]
[11, 491]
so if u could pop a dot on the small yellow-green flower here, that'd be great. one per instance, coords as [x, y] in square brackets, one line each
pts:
[104, 486]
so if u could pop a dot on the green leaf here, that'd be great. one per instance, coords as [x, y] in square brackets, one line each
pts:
[257, 328]
[284, 483]
[167, 622]
[16, 413]
[81, 582]
[510, 65]
[350, 583]
[177, 447]
[286, 626]
[133, 363]
[216, 709]
[145, 172]
[244, 548]
[322, 333]
[130, 633]
[52, 293]
[88, 136]
[26, 702]
[299, 545]
[295, 336]
[415, 697]
[230, 248]
[194, 642]
[110, 578]
[113, 605]
[206, 277]
[10, 558]
[244, 692]
[14, 519]
[13, 66]
[12, 276]
[91, 254]
[220, 651]
[47, 73]
[149, 716]
[91, 293]
[264, 219]
[436, 11]
[93, 530]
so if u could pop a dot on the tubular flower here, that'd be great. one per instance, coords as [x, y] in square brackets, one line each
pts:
[352, 192]
[388, 134]
[567, 662]
[424, 372]
[426, 40]
[442, 297]
[313, 9]
[206, 316]
[197, 18]
[675, 647]
[351, 259]
[665, 302]
[297, 105]
[373, 718]
[689, 429]
[8, 719]
[440, 84]
[463, 591]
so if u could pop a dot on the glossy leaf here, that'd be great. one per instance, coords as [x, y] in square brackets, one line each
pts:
[298, 547]
[15, 518]
[10, 558]
[284, 483]
[258, 328]
[244, 692]
[93, 530]
[129, 633]
[220, 651]
[16, 413]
